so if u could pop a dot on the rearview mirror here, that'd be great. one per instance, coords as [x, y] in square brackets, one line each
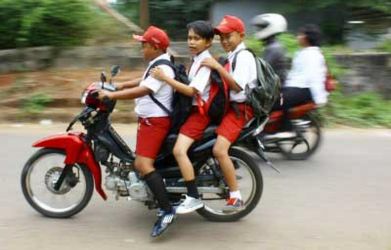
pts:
[103, 77]
[115, 69]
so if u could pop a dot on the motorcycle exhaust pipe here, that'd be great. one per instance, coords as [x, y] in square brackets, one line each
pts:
[201, 190]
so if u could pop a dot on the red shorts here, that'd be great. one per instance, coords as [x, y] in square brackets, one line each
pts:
[195, 125]
[151, 133]
[231, 125]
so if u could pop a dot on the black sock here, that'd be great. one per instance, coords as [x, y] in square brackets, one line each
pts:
[192, 189]
[156, 184]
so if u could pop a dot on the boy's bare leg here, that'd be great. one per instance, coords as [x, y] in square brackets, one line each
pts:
[181, 147]
[220, 152]
[144, 165]
[192, 201]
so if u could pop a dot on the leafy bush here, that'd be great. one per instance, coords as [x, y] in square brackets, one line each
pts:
[385, 46]
[36, 103]
[44, 22]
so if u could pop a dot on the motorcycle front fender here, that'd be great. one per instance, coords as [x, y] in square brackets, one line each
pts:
[77, 152]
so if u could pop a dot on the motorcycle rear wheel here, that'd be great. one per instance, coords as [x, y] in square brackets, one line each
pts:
[250, 184]
[313, 137]
[39, 176]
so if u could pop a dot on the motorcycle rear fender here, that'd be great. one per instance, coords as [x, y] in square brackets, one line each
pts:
[297, 112]
[77, 151]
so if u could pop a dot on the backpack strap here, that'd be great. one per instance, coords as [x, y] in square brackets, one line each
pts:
[203, 106]
[200, 102]
[236, 55]
[156, 101]
[157, 63]
[160, 105]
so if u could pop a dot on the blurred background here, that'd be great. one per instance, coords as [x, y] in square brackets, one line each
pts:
[51, 49]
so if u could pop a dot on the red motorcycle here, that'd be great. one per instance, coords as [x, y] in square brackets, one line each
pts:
[59, 179]
[307, 133]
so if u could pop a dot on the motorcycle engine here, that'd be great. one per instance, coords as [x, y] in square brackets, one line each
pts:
[138, 189]
[133, 187]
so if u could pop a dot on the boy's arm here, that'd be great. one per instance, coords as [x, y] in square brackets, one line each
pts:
[158, 73]
[129, 84]
[213, 64]
[126, 93]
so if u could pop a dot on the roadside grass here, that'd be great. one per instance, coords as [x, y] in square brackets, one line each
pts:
[366, 109]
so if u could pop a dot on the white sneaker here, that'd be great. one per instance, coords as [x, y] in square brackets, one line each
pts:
[281, 135]
[189, 205]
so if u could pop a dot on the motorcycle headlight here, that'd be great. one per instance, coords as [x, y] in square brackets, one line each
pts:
[83, 97]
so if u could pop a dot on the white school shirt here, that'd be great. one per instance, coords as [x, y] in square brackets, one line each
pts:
[245, 72]
[145, 106]
[309, 71]
[200, 76]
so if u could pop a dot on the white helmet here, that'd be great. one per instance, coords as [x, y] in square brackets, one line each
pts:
[268, 25]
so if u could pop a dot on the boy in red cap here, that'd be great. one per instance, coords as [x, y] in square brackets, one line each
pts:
[153, 122]
[231, 31]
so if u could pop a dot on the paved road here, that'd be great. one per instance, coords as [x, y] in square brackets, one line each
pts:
[339, 199]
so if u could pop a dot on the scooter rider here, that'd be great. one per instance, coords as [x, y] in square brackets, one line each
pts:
[268, 27]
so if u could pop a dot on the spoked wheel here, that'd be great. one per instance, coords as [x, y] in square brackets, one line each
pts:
[250, 183]
[40, 176]
[305, 144]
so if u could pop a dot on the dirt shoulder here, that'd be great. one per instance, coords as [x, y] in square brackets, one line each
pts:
[54, 95]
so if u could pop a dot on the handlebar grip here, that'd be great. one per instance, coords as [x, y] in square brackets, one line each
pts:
[95, 94]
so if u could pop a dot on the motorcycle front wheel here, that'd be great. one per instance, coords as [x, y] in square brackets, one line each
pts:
[39, 178]
[250, 184]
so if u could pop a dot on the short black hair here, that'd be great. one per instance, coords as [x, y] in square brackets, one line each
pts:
[202, 28]
[313, 34]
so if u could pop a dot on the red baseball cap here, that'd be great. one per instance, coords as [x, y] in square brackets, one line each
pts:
[154, 36]
[230, 24]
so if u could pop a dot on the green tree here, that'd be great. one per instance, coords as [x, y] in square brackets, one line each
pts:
[44, 22]
[171, 15]
[334, 14]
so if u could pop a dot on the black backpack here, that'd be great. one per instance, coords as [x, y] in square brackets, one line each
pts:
[267, 91]
[181, 104]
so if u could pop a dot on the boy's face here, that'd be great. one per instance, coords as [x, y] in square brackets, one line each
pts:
[149, 51]
[230, 41]
[196, 43]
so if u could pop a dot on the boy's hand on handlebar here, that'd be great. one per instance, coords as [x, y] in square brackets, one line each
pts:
[118, 86]
[158, 74]
[103, 93]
